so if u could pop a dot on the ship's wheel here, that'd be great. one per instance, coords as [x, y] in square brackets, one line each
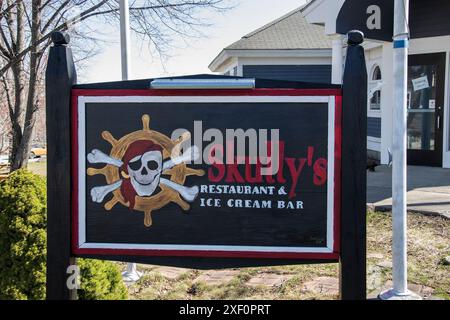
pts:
[166, 195]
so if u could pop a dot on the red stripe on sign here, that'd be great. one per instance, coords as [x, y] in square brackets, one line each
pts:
[207, 254]
[77, 251]
[337, 174]
[74, 158]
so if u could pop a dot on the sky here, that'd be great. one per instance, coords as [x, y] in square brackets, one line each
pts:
[193, 58]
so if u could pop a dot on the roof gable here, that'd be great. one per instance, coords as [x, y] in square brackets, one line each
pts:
[291, 31]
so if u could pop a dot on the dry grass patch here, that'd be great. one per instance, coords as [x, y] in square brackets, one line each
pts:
[428, 245]
[38, 167]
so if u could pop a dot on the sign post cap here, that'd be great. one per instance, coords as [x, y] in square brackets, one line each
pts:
[60, 38]
[355, 37]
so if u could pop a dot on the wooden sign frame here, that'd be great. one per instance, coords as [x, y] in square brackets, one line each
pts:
[349, 248]
[81, 97]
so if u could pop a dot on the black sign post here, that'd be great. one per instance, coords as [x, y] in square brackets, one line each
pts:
[121, 189]
[60, 77]
[354, 181]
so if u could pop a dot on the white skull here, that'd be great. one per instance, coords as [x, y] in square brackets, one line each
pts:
[145, 171]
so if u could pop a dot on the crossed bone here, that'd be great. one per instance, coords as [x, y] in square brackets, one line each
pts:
[189, 194]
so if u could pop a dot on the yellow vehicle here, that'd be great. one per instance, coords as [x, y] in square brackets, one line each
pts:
[38, 152]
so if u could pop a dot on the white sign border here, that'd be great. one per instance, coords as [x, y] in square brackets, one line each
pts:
[83, 100]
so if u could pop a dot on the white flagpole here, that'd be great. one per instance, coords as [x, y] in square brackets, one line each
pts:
[125, 38]
[131, 274]
[399, 149]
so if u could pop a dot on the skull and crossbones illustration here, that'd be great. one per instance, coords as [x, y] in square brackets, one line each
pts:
[145, 171]
[141, 169]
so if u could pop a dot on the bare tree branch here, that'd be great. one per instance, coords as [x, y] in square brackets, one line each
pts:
[8, 8]
[61, 27]
[25, 36]
[55, 15]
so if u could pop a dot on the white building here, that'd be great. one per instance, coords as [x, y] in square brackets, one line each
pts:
[429, 73]
[428, 106]
[288, 48]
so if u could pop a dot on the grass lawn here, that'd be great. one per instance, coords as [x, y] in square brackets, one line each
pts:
[428, 244]
[39, 167]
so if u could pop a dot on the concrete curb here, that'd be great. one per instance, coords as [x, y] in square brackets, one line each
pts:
[382, 208]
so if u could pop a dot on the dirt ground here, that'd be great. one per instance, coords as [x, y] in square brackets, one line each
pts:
[428, 245]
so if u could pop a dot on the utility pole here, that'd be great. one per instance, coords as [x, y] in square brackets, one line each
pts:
[131, 274]
[399, 149]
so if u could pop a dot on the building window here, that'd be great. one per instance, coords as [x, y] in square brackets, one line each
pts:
[235, 71]
[375, 89]
[375, 102]
[376, 73]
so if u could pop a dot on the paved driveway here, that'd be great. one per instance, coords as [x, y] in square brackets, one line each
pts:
[428, 189]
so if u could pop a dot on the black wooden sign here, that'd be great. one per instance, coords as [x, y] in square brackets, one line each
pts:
[159, 176]
[134, 196]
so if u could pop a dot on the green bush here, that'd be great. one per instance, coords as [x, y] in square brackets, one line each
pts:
[100, 280]
[23, 222]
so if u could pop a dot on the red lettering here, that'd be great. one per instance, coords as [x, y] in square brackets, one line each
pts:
[215, 154]
[230, 173]
[269, 166]
[295, 173]
[310, 155]
[233, 174]
[218, 176]
[257, 178]
[270, 179]
[280, 177]
[320, 172]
